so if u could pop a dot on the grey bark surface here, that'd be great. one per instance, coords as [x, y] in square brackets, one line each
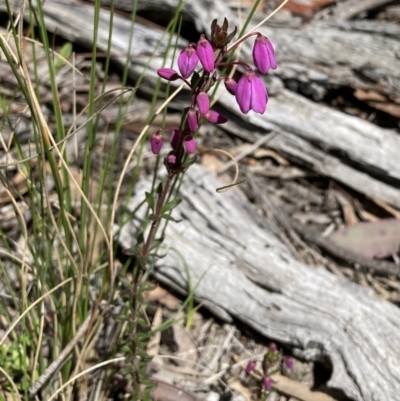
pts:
[239, 270]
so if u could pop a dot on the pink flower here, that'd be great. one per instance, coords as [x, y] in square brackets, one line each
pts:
[192, 121]
[171, 160]
[230, 85]
[203, 102]
[187, 61]
[263, 54]
[190, 144]
[205, 53]
[289, 362]
[251, 93]
[215, 118]
[267, 383]
[156, 143]
[250, 367]
[168, 73]
[272, 347]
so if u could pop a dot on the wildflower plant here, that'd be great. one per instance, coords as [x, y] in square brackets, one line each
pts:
[70, 239]
[250, 91]
[272, 362]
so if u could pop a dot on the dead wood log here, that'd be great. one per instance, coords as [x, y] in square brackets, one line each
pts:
[321, 54]
[351, 8]
[241, 271]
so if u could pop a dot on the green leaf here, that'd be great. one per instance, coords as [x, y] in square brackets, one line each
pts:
[189, 162]
[195, 79]
[131, 252]
[65, 52]
[231, 35]
[150, 200]
[225, 25]
[140, 237]
[170, 218]
[170, 205]
[159, 189]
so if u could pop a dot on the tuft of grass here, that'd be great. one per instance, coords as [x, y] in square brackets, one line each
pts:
[58, 264]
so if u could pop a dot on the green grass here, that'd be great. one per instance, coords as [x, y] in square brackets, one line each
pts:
[63, 257]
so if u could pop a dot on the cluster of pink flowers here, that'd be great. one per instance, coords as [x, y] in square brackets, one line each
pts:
[270, 360]
[249, 91]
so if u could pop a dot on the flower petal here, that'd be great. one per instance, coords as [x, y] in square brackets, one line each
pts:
[206, 54]
[187, 61]
[243, 93]
[190, 144]
[203, 101]
[230, 85]
[168, 73]
[259, 96]
[192, 121]
[156, 143]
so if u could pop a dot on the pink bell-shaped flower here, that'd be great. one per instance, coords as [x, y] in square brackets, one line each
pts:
[168, 73]
[263, 54]
[187, 61]
[230, 85]
[250, 367]
[251, 93]
[192, 120]
[267, 383]
[203, 102]
[215, 118]
[190, 144]
[289, 362]
[156, 143]
[206, 54]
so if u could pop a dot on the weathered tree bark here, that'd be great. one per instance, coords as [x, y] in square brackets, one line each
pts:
[240, 270]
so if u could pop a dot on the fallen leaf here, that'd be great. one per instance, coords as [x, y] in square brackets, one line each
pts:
[370, 239]
[235, 384]
[187, 349]
[153, 346]
[163, 297]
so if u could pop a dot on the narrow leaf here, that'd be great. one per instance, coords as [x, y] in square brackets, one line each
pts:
[171, 204]
[170, 218]
[150, 200]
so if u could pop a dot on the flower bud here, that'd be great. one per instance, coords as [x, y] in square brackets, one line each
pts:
[272, 347]
[192, 121]
[205, 53]
[203, 102]
[187, 61]
[289, 362]
[190, 144]
[156, 143]
[230, 85]
[215, 118]
[168, 73]
[250, 367]
[171, 160]
[267, 383]
[263, 54]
